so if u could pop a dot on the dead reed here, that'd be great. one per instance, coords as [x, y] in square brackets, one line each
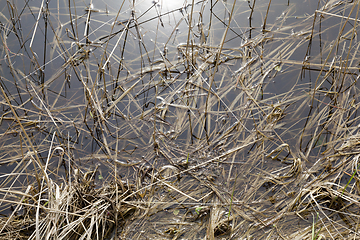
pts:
[149, 121]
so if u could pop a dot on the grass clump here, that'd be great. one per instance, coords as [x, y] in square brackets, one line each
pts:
[65, 210]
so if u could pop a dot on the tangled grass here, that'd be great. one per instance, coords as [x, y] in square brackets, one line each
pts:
[154, 121]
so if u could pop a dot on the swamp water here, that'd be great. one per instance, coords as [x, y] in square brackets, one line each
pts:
[181, 120]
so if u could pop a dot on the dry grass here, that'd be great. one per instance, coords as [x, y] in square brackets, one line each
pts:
[179, 123]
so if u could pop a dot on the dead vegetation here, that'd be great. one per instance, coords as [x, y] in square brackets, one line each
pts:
[144, 121]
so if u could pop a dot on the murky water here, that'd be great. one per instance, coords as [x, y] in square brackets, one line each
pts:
[126, 40]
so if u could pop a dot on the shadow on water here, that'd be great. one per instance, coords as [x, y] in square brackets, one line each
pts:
[179, 119]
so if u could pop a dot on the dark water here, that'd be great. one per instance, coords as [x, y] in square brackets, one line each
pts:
[88, 65]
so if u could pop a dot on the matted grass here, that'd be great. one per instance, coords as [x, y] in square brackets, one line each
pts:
[149, 121]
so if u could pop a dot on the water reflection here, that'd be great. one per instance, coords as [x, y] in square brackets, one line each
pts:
[154, 49]
[103, 86]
